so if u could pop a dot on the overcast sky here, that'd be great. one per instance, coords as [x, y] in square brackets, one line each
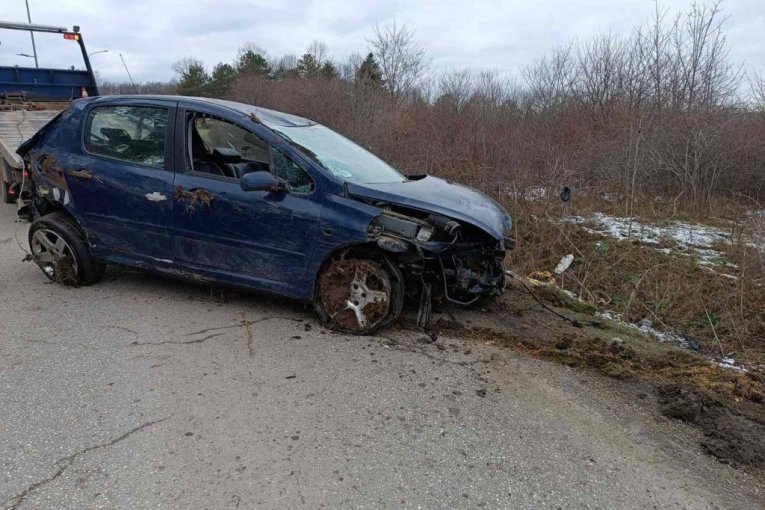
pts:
[476, 34]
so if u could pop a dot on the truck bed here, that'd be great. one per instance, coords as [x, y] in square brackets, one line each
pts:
[17, 126]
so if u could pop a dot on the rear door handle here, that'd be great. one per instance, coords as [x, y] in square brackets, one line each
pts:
[81, 174]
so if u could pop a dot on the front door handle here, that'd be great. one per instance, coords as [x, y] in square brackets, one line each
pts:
[81, 174]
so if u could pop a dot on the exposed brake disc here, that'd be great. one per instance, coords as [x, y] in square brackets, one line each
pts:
[355, 294]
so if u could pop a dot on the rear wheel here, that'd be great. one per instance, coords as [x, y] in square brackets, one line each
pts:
[62, 252]
[359, 296]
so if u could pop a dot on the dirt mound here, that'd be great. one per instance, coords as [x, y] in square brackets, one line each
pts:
[731, 437]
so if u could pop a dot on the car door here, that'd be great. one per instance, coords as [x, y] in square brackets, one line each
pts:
[256, 235]
[121, 179]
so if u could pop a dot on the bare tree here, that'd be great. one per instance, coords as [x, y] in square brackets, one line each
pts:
[656, 55]
[184, 65]
[600, 72]
[550, 79]
[349, 66]
[490, 89]
[249, 46]
[318, 50]
[757, 92]
[402, 60]
[284, 65]
[456, 88]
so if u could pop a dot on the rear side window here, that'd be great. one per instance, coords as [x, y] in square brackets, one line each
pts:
[128, 133]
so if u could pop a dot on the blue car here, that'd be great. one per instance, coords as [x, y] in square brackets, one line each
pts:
[236, 195]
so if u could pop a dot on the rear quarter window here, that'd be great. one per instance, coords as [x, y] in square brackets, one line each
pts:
[135, 134]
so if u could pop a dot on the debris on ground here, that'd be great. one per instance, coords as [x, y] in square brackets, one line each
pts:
[564, 264]
[728, 405]
[730, 437]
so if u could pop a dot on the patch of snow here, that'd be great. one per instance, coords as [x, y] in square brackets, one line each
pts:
[730, 363]
[687, 234]
[646, 326]
[530, 194]
[688, 239]
[574, 296]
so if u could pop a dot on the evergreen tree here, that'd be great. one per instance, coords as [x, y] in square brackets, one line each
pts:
[369, 72]
[329, 71]
[222, 78]
[192, 77]
[308, 66]
[253, 63]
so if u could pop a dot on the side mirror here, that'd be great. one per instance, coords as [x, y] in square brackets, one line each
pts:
[262, 181]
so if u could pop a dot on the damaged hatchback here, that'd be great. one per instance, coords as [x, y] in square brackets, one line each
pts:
[235, 195]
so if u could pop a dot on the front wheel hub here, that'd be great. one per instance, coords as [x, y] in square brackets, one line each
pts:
[355, 294]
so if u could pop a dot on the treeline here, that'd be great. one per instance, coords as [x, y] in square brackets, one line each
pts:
[251, 61]
[661, 112]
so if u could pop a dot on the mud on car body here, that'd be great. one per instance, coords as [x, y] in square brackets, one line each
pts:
[241, 196]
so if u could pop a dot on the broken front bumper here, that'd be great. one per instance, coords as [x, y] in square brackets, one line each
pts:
[443, 258]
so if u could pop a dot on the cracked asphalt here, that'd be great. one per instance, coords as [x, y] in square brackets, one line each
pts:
[145, 392]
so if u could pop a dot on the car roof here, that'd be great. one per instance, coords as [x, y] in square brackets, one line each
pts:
[262, 115]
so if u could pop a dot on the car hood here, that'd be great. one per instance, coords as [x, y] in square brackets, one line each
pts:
[438, 196]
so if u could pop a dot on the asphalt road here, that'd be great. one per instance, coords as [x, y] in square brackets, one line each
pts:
[144, 392]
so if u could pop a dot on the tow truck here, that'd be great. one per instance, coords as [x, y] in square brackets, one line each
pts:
[30, 97]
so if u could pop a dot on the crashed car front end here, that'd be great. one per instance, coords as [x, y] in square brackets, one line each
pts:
[448, 259]
[448, 240]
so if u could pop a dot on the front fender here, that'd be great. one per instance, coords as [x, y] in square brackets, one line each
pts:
[344, 223]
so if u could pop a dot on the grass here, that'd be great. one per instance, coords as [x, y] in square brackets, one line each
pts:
[673, 287]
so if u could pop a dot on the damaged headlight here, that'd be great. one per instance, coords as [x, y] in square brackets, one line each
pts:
[424, 234]
[434, 227]
[398, 225]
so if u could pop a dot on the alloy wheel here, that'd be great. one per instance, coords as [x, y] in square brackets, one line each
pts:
[54, 256]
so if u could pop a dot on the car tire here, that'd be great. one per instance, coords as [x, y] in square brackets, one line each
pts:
[60, 249]
[359, 296]
[7, 198]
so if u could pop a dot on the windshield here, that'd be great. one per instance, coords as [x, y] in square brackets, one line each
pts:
[343, 158]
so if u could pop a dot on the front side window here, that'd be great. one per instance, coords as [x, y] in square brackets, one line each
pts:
[224, 149]
[128, 133]
[298, 181]
[216, 133]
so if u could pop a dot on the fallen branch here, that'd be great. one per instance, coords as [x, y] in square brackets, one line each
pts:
[248, 324]
[573, 322]
[713, 331]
